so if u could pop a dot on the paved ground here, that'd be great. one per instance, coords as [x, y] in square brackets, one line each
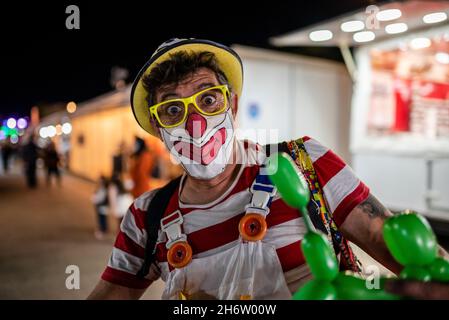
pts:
[45, 230]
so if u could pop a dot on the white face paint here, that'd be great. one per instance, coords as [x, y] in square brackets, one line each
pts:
[203, 144]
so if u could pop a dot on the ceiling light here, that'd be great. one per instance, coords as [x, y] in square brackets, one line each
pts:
[420, 43]
[352, 26]
[434, 17]
[364, 36]
[442, 57]
[389, 14]
[320, 35]
[395, 28]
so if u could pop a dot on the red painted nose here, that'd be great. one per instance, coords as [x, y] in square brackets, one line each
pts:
[196, 125]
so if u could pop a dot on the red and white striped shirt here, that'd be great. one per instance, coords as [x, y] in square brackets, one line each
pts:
[213, 227]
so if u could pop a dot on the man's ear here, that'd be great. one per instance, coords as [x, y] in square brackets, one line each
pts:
[235, 105]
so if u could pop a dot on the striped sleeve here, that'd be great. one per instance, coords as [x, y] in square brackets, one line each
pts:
[129, 249]
[343, 191]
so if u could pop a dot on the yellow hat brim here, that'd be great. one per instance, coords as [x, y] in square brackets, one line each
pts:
[228, 61]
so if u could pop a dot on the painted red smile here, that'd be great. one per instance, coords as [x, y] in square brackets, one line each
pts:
[205, 154]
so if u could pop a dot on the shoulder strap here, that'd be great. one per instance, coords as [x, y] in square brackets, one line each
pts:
[276, 147]
[153, 218]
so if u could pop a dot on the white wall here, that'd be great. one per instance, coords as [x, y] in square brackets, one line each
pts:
[295, 96]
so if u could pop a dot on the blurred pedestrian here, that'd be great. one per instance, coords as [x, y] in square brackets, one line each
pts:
[119, 161]
[29, 155]
[6, 154]
[119, 198]
[52, 161]
[101, 202]
[141, 167]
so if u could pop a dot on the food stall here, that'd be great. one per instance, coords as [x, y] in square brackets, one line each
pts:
[398, 57]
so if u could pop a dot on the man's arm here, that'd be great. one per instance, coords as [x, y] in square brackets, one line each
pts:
[363, 226]
[418, 289]
[108, 291]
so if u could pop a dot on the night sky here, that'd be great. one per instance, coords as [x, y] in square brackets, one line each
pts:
[43, 62]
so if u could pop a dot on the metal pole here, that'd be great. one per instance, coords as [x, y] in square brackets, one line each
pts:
[349, 61]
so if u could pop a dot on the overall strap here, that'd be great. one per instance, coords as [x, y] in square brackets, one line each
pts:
[153, 218]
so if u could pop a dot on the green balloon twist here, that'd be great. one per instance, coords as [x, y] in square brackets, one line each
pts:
[408, 237]
[293, 188]
[439, 270]
[328, 283]
[290, 183]
[413, 244]
[354, 288]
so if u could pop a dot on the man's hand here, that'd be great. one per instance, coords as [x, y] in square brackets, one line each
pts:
[109, 291]
[418, 290]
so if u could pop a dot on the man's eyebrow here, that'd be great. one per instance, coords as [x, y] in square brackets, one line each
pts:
[168, 94]
[206, 85]
[174, 95]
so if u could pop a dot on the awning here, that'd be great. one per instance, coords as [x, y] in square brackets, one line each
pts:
[376, 22]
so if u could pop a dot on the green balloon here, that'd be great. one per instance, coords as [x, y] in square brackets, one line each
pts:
[287, 178]
[439, 270]
[410, 239]
[415, 273]
[353, 288]
[316, 290]
[319, 256]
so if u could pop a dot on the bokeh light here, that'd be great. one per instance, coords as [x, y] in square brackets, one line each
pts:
[58, 129]
[66, 128]
[14, 139]
[43, 132]
[11, 123]
[51, 131]
[22, 123]
[71, 107]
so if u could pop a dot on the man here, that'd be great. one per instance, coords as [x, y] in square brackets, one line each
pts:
[187, 95]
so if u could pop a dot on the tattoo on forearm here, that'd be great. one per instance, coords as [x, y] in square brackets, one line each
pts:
[373, 207]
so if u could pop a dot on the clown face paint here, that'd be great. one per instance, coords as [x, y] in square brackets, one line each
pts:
[203, 144]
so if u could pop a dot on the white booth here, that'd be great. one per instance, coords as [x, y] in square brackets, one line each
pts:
[399, 132]
[287, 96]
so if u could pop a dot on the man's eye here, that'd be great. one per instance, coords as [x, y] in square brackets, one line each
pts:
[209, 100]
[173, 110]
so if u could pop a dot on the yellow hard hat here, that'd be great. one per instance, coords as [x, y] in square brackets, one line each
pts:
[228, 61]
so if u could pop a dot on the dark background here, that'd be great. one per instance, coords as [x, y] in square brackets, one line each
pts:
[42, 62]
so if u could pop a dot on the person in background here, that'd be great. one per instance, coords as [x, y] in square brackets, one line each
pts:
[52, 161]
[142, 163]
[101, 202]
[30, 154]
[118, 161]
[6, 155]
[119, 198]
